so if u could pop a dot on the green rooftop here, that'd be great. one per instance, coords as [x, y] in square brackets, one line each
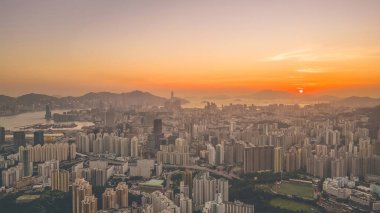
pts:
[153, 183]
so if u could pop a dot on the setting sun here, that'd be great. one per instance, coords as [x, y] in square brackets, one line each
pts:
[189, 106]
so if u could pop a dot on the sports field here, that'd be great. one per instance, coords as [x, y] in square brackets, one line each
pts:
[292, 205]
[303, 190]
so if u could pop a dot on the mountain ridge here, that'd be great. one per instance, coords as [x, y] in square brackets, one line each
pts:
[138, 97]
[135, 97]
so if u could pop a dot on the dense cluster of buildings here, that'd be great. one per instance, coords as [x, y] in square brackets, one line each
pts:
[148, 145]
[107, 143]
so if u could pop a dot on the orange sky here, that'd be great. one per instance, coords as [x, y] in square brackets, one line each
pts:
[193, 48]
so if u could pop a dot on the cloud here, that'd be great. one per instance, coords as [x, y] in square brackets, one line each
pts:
[313, 55]
[292, 55]
[311, 70]
[295, 77]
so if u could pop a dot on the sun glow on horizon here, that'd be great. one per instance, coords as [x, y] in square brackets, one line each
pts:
[190, 47]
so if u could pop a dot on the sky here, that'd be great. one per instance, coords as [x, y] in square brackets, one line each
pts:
[198, 47]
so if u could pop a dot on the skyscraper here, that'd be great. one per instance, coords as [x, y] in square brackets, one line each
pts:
[39, 137]
[45, 169]
[81, 189]
[24, 157]
[238, 207]
[11, 175]
[222, 188]
[122, 195]
[215, 206]
[184, 189]
[157, 133]
[211, 154]
[186, 204]
[19, 138]
[277, 167]
[89, 204]
[2, 135]
[60, 180]
[206, 189]
[219, 154]
[134, 147]
[187, 178]
[162, 203]
[157, 126]
[47, 113]
[109, 199]
[258, 158]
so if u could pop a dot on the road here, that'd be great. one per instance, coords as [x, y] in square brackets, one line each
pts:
[228, 176]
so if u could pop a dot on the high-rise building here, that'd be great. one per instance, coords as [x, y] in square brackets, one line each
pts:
[258, 158]
[24, 158]
[89, 204]
[219, 154]
[215, 206]
[98, 176]
[60, 180]
[45, 169]
[222, 188]
[81, 189]
[338, 168]
[157, 134]
[19, 138]
[47, 112]
[109, 117]
[239, 207]
[229, 154]
[142, 168]
[291, 157]
[157, 126]
[277, 167]
[177, 154]
[109, 199]
[158, 169]
[134, 147]
[205, 189]
[2, 135]
[186, 204]
[122, 195]
[211, 154]
[238, 151]
[184, 189]
[232, 127]
[125, 147]
[187, 178]
[72, 151]
[83, 142]
[162, 203]
[12, 175]
[38, 137]
[57, 151]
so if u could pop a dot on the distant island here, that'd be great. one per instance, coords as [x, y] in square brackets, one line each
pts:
[38, 102]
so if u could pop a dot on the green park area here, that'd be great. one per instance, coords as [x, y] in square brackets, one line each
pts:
[27, 198]
[292, 205]
[304, 190]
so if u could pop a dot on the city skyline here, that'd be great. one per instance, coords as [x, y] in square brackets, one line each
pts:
[195, 48]
[197, 106]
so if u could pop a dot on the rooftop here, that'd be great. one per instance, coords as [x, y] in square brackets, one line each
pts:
[153, 182]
